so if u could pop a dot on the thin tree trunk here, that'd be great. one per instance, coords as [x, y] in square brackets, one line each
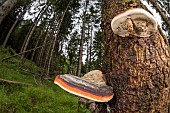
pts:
[28, 37]
[138, 69]
[80, 53]
[101, 58]
[41, 51]
[36, 45]
[44, 53]
[64, 60]
[6, 7]
[91, 39]
[70, 59]
[82, 42]
[55, 38]
[32, 28]
[161, 12]
[87, 58]
[47, 53]
[32, 56]
[13, 26]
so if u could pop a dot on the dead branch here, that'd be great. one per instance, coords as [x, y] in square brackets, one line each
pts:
[24, 52]
[14, 82]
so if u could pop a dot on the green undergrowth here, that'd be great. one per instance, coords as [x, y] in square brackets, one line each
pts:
[39, 98]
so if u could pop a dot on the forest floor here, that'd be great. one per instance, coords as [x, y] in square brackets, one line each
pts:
[22, 92]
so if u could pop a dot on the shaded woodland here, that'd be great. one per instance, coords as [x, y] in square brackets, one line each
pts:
[59, 34]
[55, 35]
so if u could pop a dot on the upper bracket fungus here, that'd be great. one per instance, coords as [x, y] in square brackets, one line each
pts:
[88, 86]
[134, 22]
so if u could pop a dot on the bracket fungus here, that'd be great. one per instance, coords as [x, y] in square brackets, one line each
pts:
[88, 87]
[134, 22]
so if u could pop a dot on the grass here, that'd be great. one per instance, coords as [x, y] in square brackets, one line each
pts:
[21, 99]
[39, 98]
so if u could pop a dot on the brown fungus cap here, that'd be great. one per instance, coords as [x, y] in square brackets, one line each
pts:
[135, 22]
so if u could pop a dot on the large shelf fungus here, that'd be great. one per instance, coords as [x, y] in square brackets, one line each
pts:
[87, 87]
[134, 22]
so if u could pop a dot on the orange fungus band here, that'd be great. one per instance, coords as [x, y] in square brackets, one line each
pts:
[81, 92]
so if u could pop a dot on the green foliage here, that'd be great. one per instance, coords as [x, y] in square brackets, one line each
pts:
[44, 98]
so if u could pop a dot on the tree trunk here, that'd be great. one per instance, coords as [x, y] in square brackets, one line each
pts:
[161, 12]
[13, 26]
[82, 42]
[42, 51]
[91, 41]
[55, 38]
[138, 69]
[5, 8]
[36, 45]
[45, 52]
[28, 37]
[87, 56]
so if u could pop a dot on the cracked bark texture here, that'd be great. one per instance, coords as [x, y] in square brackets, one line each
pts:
[138, 69]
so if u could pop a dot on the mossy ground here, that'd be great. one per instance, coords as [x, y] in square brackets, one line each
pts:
[39, 98]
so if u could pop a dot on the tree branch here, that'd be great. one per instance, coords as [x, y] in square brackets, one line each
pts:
[24, 52]
[14, 82]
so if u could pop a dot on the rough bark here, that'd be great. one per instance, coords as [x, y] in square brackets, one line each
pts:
[138, 69]
[6, 7]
